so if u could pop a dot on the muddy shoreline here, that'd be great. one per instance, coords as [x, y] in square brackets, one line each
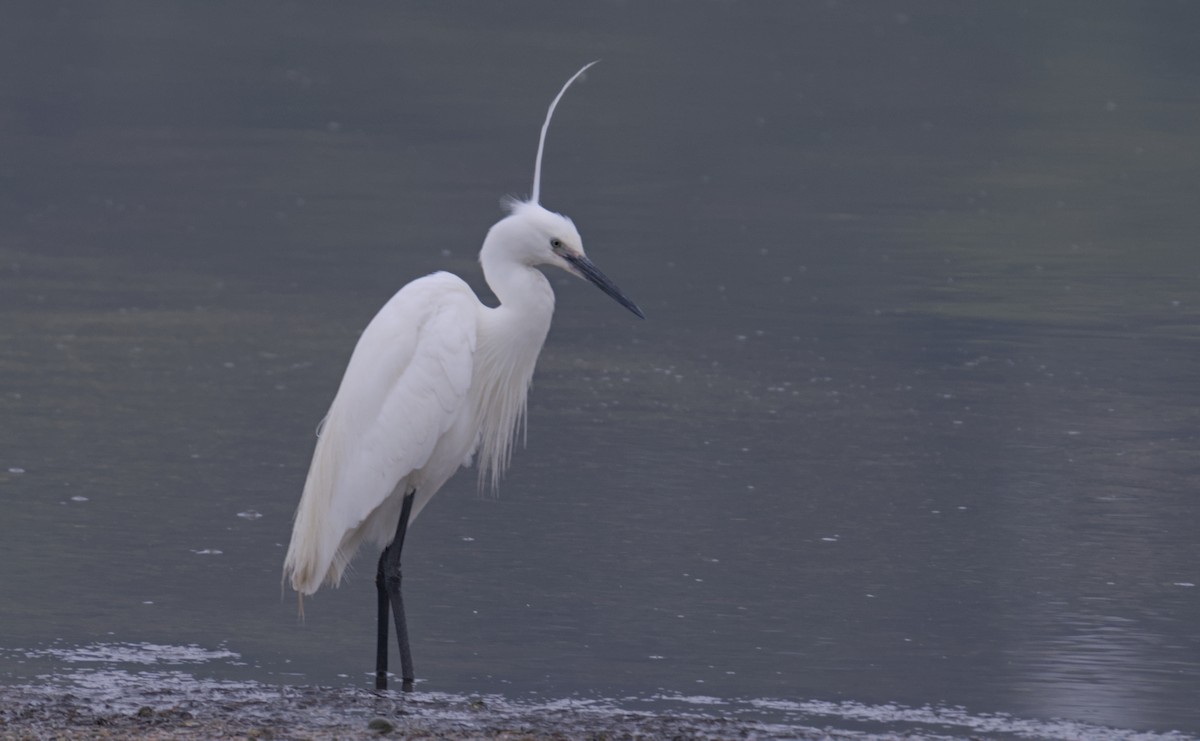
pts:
[33, 712]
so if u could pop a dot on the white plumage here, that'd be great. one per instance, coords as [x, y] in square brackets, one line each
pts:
[435, 376]
[436, 379]
[401, 419]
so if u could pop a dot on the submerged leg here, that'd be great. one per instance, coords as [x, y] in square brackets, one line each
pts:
[387, 586]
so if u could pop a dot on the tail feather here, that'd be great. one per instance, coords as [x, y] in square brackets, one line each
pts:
[311, 554]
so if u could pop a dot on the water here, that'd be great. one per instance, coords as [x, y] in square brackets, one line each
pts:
[912, 422]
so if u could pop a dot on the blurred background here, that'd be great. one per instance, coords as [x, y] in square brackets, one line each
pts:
[913, 418]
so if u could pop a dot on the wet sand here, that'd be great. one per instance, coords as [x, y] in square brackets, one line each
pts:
[42, 712]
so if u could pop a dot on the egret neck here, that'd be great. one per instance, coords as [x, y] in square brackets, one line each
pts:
[511, 336]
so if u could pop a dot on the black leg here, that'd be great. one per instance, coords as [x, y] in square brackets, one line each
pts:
[387, 584]
[381, 626]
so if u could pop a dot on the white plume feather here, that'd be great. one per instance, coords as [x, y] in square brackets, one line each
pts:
[537, 165]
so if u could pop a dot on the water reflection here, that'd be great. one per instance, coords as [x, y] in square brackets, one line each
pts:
[1096, 661]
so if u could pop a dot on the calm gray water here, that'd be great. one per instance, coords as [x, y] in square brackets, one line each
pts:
[913, 420]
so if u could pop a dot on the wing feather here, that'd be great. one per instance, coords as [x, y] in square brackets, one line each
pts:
[404, 388]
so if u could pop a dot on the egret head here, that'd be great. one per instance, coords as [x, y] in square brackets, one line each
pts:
[534, 235]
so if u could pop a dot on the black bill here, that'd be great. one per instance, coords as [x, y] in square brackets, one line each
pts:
[592, 273]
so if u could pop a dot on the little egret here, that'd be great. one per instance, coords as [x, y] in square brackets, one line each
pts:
[436, 379]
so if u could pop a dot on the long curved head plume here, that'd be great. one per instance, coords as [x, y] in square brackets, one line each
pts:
[537, 165]
[533, 235]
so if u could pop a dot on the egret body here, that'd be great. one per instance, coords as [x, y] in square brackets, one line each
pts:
[436, 380]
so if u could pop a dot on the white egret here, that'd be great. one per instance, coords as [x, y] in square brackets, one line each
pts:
[436, 379]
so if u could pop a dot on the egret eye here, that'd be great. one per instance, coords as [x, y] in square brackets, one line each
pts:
[556, 244]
